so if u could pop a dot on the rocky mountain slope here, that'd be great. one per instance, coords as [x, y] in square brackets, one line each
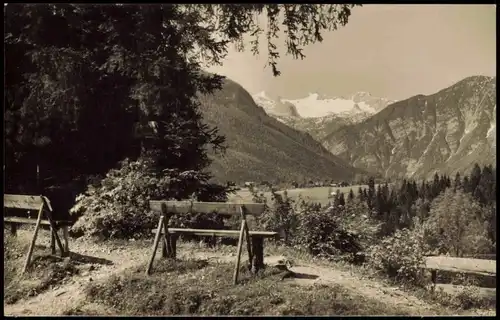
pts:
[261, 148]
[447, 132]
[320, 115]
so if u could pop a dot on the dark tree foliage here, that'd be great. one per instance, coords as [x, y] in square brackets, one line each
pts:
[395, 206]
[89, 85]
[341, 199]
[350, 196]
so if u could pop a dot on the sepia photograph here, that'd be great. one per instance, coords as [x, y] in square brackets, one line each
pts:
[248, 159]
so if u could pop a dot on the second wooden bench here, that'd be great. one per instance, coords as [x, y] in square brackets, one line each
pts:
[254, 239]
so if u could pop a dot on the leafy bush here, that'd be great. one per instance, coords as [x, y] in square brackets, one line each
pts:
[354, 218]
[458, 224]
[281, 217]
[322, 234]
[119, 206]
[333, 233]
[401, 256]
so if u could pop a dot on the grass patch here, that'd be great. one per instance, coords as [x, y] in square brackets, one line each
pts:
[44, 272]
[194, 287]
[471, 295]
[463, 298]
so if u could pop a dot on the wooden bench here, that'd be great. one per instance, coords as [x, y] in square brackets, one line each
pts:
[254, 239]
[42, 205]
[470, 266]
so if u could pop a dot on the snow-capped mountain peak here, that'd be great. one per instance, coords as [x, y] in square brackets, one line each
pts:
[261, 94]
[319, 114]
[318, 105]
[276, 106]
[356, 108]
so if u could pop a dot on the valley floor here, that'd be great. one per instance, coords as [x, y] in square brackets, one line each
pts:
[97, 262]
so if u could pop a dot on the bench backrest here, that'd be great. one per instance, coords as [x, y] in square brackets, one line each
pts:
[223, 208]
[15, 201]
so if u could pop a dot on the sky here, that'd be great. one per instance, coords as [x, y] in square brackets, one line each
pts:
[391, 51]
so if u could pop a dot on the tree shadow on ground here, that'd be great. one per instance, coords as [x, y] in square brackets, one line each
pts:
[296, 275]
[85, 259]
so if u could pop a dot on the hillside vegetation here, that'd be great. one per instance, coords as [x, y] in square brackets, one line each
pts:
[260, 147]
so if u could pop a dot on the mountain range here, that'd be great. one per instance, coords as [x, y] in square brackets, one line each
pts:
[320, 115]
[261, 148]
[444, 132]
[334, 138]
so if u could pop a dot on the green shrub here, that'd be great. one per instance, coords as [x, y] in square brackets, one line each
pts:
[334, 233]
[281, 217]
[457, 225]
[354, 218]
[321, 233]
[401, 256]
[119, 206]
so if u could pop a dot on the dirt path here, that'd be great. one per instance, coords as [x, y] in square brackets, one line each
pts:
[71, 294]
[365, 287]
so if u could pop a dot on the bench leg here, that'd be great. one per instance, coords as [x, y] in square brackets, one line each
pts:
[155, 245]
[258, 253]
[52, 241]
[433, 279]
[66, 240]
[172, 252]
[13, 229]
[165, 247]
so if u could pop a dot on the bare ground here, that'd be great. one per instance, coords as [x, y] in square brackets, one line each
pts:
[112, 258]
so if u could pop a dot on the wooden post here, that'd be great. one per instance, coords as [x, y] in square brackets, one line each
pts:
[173, 245]
[54, 232]
[155, 244]
[258, 252]
[35, 234]
[66, 239]
[47, 208]
[52, 241]
[13, 229]
[433, 279]
[238, 255]
[247, 238]
[165, 246]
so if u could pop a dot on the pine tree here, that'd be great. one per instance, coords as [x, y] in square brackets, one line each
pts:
[371, 192]
[341, 199]
[336, 200]
[466, 186]
[85, 86]
[457, 184]
[379, 202]
[475, 178]
[435, 188]
[423, 190]
[485, 191]
[361, 194]
[350, 196]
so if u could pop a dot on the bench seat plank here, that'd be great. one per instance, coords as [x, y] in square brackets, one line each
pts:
[24, 220]
[33, 221]
[463, 265]
[220, 233]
